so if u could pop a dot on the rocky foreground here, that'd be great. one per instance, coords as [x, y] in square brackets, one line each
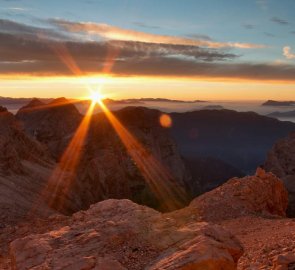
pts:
[240, 225]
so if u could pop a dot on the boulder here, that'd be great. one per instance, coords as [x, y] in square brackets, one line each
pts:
[119, 234]
[261, 194]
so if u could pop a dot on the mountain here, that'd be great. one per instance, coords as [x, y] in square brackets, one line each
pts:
[119, 234]
[240, 139]
[16, 146]
[209, 173]
[282, 114]
[281, 161]
[278, 103]
[105, 168]
[52, 124]
[213, 107]
[163, 100]
[25, 167]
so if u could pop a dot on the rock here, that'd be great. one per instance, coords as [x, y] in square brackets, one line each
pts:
[281, 161]
[139, 238]
[284, 261]
[262, 194]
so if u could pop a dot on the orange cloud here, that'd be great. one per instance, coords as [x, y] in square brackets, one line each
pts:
[117, 33]
[287, 53]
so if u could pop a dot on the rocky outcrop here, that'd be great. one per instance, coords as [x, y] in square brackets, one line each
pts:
[118, 234]
[262, 194]
[281, 161]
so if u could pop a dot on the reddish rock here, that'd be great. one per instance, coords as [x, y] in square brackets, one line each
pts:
[281, 161]
[262, 194]
[130, 236]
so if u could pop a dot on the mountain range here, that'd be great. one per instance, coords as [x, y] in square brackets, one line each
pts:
[60, 174]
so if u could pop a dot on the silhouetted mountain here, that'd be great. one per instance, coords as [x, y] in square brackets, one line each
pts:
[282, 114]
[163, 100]
[209, 173]
[278, 103]
[11, 101]
[52, 124]
[241, 139]
[213, 107]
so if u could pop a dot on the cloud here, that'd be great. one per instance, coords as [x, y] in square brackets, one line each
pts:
[279, 21]
[28, 50]
[117, 33]
[144, 25]
[269, 34]
[263, 4]
[249, 26]
[200, 36]
[287, 53]
[11, 27]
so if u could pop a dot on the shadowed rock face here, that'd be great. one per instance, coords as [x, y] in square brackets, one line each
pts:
[122, 235]
[281, 161]
[107, 170]
[16, 146]
[25, 167]
[53, 124]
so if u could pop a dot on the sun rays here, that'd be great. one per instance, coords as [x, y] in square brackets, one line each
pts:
[159, 180]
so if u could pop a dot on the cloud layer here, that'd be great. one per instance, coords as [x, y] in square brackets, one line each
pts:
[117, 33]
[31, 50]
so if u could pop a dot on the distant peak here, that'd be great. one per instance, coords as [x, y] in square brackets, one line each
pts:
[61, 100]
[3, 109]
[35, 102]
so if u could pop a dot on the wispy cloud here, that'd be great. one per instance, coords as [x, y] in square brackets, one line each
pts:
[144, 25]
[279, 21]
[249, 26]
[269, 34]
[117, 33]
[287, 53]
[263, 4]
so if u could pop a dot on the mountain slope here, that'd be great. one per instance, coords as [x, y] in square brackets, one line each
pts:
[53, 124]
[25, 167]
[237, 138]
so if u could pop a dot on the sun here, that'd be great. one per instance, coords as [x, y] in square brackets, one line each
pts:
[96, 97]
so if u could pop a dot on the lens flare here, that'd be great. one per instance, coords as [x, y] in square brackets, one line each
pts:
[96, 97]
[165, 121]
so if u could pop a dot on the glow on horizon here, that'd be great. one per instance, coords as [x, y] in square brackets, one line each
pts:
[139, 87]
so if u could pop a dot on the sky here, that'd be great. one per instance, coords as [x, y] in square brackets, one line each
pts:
[189, 49]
